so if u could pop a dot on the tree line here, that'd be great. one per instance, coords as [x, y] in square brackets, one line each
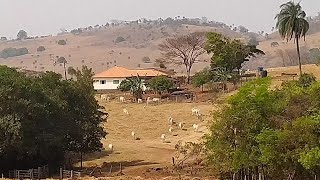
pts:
[44, 118]
[268, 133]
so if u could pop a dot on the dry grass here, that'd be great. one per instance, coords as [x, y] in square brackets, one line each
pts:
[148, 123]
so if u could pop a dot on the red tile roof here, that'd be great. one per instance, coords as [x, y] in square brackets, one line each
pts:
[121, 72]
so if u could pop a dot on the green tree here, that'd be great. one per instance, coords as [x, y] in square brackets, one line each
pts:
[43, 117]
[268, 132]
[292, 23]
[227, 53]
[201, 78]
[22, 34]
[160, 84]
[133, 84]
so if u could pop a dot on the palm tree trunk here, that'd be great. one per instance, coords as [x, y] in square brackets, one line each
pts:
[299, 57]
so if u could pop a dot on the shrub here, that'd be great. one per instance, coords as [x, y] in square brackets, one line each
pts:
[146, 59]
[306, 80]
[41, 49]
[62, 42]
[120, 39]
[12, 52]
[160, 84]
[161, 65]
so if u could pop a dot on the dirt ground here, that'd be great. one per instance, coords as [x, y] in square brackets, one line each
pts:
[148, 123]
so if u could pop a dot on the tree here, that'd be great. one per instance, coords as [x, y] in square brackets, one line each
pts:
[201, 78]
[184, 50]
[227, 53]
[22, 34]
[62, 42]
[133, 84]
[146, 59]
[243, 29]
[271, 133]
[41, 49]
[253, 41]
[160, 84]
[65, 117]
[62, 60]
[291, 23]
[120, 39]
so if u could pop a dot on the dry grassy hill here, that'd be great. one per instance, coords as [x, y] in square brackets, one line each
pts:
[98, 48]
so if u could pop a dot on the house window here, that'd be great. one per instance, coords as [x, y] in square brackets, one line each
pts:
[116, 81]
[102, 81]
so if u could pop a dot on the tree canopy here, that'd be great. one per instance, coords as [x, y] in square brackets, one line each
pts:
[201, 78]
[22, 34]
[273, 133]
[229, 53]
[133, 84]
[160, 84]
[44, 117]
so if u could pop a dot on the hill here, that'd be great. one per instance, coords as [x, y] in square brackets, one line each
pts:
[135, 45]
[119, 43]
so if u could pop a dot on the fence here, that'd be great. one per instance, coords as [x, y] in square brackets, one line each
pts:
[39, 173]
[69, 174]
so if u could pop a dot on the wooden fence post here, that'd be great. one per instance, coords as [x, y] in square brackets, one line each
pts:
[31, 173]
[39, 173]
[120, 168]
[18, 172]
[61, 173]
[110, 169]
[71, 174]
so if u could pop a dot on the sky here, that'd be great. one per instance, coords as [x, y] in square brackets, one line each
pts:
[45, 17]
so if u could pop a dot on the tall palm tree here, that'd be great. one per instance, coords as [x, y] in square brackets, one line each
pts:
[292, 23]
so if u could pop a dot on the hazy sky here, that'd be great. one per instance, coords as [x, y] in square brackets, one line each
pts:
[42, 17]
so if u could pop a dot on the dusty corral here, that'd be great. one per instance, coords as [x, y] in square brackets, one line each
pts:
[148, 122]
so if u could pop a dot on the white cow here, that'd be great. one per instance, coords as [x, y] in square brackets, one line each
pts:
[180, 125]
[133, 134]
[139, 101]
[195, 127]
[149, 100]
[121, 99]
[156, 100]
[163, 137]
[104, 97]
[125, 111]
[170, 130]
[110, 147]
[170, 120]
[195, 111]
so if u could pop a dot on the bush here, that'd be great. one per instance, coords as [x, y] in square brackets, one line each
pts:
[62, 42]
[146, 59]
[161, 65]
[201, 78]
[306, 80]
[41, 49]
[120, 39]
[12, 52]
[160, 84]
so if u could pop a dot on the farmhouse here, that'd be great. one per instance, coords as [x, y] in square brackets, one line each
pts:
[111, 78]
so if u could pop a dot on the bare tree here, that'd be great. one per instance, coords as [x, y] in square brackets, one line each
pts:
[184, 49]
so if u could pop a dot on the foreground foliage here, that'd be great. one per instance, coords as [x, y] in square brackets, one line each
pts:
[271, 133]
[44, 118]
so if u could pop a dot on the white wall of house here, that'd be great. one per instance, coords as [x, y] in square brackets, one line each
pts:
[107, 83]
